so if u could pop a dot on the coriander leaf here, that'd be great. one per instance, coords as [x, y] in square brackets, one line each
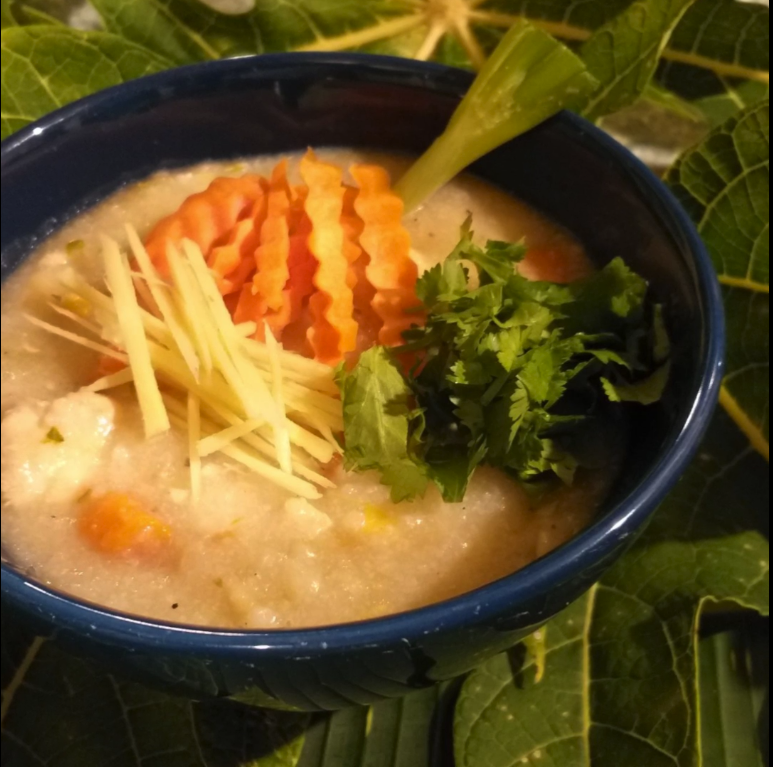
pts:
[519, 408]
[407, 479]
[451, 469]
[377, 423]
[609, 357]
[646, 392]
[468, 373]
[54, 436]
[443, 283]
[496, 262]
[511, 370]
[614, 292]
[545, 374]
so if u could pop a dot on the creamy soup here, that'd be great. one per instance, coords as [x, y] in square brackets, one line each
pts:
[249, 555]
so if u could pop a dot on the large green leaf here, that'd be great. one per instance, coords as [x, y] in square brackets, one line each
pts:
[392, 734]
[720, 35]
[716, 40]
[624, 54]
[733, 32]
[64, 712]
[7, 18]
[725, 185]
[46, 67]
[187, 31]
[621, 681]
[735, 680]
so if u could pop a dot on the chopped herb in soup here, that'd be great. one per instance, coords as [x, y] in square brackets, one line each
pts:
[260, 396]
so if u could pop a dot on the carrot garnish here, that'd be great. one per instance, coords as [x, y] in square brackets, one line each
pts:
[233, 262]
[561, 265]
[334, 330]
[274, 252]
[391, 270]
[118, 524]
[205, 218]
[107, 366]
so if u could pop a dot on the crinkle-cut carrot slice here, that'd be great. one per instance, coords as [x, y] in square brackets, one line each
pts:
[207, 217]
[243, 275]
[233, 263]
[291, 325]
[274, 252]
[117, 524]
[391, 270]
[250, 306]
[334, 330]
[353, 226]
[369, 322]
[303, 267]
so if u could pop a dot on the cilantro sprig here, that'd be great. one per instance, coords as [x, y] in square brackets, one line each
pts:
[506, 372]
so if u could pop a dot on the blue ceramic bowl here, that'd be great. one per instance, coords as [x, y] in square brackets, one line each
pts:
[566, 168]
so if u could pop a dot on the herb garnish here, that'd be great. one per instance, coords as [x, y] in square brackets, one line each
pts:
[504, 373]
[53, 437]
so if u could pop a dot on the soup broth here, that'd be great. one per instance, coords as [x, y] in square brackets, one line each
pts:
[247, 554]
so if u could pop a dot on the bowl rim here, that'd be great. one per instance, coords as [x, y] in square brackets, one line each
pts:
[488, 602]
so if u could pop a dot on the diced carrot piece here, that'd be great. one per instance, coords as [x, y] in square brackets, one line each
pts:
[274, 251]
[207, 217]
[556, 265]
[116, 523]
[107, 366]
[391, 270]
[334, 330]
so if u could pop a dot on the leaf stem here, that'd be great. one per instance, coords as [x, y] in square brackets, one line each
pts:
[744, 283]
[366, 36]
[745, 423]
[9, 693]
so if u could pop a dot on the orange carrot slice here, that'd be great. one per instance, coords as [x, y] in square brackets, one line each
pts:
[274, 252]
[205, 218]
[107, 366]
[118, 524]
[353, 228]
[334, 330]
[235, 258]
[391, 270]
[250, 306]
[561, 264]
